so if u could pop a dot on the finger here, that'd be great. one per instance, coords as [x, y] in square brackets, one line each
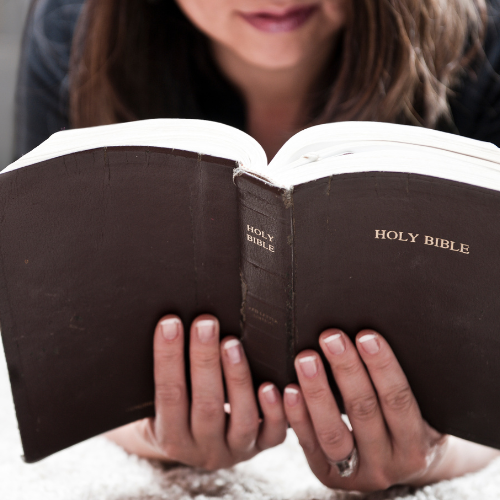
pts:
[300, 421]
[333, 435]
[400, 409]
[358, 394]
[171, 430]
[244, 421]
[273, 426]
[208, 418]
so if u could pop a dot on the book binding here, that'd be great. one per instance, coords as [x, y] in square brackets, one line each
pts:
[266, 221]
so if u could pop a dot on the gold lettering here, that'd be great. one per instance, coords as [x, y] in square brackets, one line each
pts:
[382, 234]
[260, 233]
[446, 244]
[429, 240]
[260, 243]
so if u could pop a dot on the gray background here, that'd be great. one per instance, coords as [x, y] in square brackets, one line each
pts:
[12, 15]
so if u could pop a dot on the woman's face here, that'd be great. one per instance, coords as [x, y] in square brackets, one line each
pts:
[273, 34]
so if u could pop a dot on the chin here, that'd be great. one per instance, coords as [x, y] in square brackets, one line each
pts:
[273, 60]
[275, 54]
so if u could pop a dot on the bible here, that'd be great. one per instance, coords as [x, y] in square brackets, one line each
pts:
[352, 225]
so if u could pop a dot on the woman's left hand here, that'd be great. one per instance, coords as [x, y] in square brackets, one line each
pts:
[394, 444]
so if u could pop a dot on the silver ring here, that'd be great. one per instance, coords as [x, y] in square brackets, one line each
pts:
[346, 467]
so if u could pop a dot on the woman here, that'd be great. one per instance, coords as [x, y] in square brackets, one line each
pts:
[273, 67]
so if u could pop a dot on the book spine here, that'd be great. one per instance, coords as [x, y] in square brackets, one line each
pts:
[266, 232]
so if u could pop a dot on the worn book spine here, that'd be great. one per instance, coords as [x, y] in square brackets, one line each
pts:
[267, 279]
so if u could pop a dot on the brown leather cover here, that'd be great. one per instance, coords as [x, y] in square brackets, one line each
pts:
[96, 246]
[266, 275]
[438, 306]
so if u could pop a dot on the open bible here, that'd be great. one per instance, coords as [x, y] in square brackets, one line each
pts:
[352, 225]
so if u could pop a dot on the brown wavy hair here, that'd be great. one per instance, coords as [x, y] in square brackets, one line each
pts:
[397, 61]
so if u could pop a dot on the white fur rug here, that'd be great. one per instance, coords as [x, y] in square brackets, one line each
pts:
[100, 470]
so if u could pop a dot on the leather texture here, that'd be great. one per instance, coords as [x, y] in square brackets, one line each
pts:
[267, 279]
[358, 263]
[438, 308]
[96, 246]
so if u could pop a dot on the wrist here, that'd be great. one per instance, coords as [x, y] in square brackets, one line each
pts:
[456, 457]
[132, 438]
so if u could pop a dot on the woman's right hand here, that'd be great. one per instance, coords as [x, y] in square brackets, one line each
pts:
[199, 432]
[392, 441]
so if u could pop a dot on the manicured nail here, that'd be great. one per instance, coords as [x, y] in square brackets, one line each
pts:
[309, 366]
[269, 393]
[206, 330]
[291, 396]
[335, 343]
[370, 343]
[232, 348]
[170, 328]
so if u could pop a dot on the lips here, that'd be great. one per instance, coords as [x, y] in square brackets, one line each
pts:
[288, 20]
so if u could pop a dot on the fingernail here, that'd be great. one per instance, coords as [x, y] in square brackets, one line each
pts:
[309, 366]
[335, 343]
[232, 348]
[291, 396]
[269, 393]
[205, 329]
[170, 328]
[370, 343]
